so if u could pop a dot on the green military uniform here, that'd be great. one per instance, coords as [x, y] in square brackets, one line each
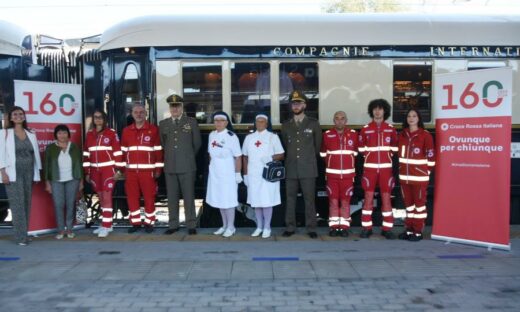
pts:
[302, 142]
[181, 141]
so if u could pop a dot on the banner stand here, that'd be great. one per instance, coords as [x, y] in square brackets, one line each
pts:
[489, 246]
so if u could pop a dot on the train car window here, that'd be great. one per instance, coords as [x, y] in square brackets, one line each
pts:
[299, 76]
[131, 91]
[412, 89]
[250, 91]
[202, 90]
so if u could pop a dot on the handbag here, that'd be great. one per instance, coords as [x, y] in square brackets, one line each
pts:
[81, 211]
[274, 171]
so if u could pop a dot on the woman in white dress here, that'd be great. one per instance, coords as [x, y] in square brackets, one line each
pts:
[224, 172]
[261, 147]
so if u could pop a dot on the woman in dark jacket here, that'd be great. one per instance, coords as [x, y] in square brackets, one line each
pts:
[63, 174]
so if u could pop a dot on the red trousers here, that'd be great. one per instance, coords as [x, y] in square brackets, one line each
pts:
[340, 191]
[385, 180]
[138, 183]
[102, 181]
[414, 197]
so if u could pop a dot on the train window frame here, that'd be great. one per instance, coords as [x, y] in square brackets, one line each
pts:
[280, 96]
[134, 77]
[405, 93]
[223, 81]
[267, 93]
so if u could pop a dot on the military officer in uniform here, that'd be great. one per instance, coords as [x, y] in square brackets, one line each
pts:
[180, 139]
[301, 136]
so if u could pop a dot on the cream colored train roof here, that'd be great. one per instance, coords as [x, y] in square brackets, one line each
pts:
[323, 29]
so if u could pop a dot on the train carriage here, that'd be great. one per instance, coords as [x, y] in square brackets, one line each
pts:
[247, 64]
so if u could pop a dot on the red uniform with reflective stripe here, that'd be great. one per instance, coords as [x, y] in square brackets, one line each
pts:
[416, 156]
[339, 151]
[416, 160]
[377, 143]
[143, 155]
[101, 155]
[102, 150]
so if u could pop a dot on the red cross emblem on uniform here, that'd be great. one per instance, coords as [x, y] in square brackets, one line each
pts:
[214, 143]
[258, 143]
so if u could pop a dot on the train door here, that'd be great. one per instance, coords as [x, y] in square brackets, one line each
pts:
[129, 88]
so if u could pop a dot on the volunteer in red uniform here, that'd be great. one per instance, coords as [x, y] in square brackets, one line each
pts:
[142, 154]
[101, 157]
[416, 160]
[339, 150]
[377, 143]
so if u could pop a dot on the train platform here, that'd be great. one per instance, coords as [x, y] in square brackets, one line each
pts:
[179, 272]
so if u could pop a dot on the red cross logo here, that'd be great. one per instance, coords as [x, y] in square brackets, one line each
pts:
[214, 143]
[258, 143]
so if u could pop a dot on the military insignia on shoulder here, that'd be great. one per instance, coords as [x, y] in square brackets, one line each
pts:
[230, 133]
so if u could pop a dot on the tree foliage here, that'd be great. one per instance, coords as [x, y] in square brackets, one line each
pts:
[362, 6]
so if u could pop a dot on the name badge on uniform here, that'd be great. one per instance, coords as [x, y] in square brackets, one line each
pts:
[308, 130]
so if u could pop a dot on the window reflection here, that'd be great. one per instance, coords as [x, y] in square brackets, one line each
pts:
[250, 91]
[299, 76]
[131, 91]
[202, 90]
[412, 89]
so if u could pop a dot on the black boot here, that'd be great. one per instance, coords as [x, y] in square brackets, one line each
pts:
[134, 228]
[365, 233]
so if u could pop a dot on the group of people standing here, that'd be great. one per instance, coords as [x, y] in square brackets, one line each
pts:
[146, 151]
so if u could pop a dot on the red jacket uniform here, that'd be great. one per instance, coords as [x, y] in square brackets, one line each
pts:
[339, 153]
[377, 145]
[102, 150]
[142, 150]
[416, 156]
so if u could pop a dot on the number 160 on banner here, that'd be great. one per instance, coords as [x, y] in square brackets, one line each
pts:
[49, 102]
[477, 93]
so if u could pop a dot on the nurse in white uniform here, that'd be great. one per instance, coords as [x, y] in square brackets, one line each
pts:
[261, 147]
[224, 172]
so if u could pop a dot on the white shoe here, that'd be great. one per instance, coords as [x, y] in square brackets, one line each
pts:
[59, 236]
[103, 232]
[257, 232]
[229, 233]
[220, 231]
[266, 233]
[96, 231]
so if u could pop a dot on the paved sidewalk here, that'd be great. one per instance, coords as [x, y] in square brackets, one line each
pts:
[155, 272]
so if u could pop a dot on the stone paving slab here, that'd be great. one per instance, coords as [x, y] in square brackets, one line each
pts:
[207, 273]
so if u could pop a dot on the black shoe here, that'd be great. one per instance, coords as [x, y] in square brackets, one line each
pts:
[312, 235]
[170, 231]
[148, 228]
[405, 235]
[333, 233]
[343, 233]
[388, 234]
[288, 233]
[134, 228]
[415, 237]
[365, 233]
[192, 232]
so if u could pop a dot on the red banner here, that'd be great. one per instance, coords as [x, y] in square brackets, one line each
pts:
[473, 168]
[47, 105]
